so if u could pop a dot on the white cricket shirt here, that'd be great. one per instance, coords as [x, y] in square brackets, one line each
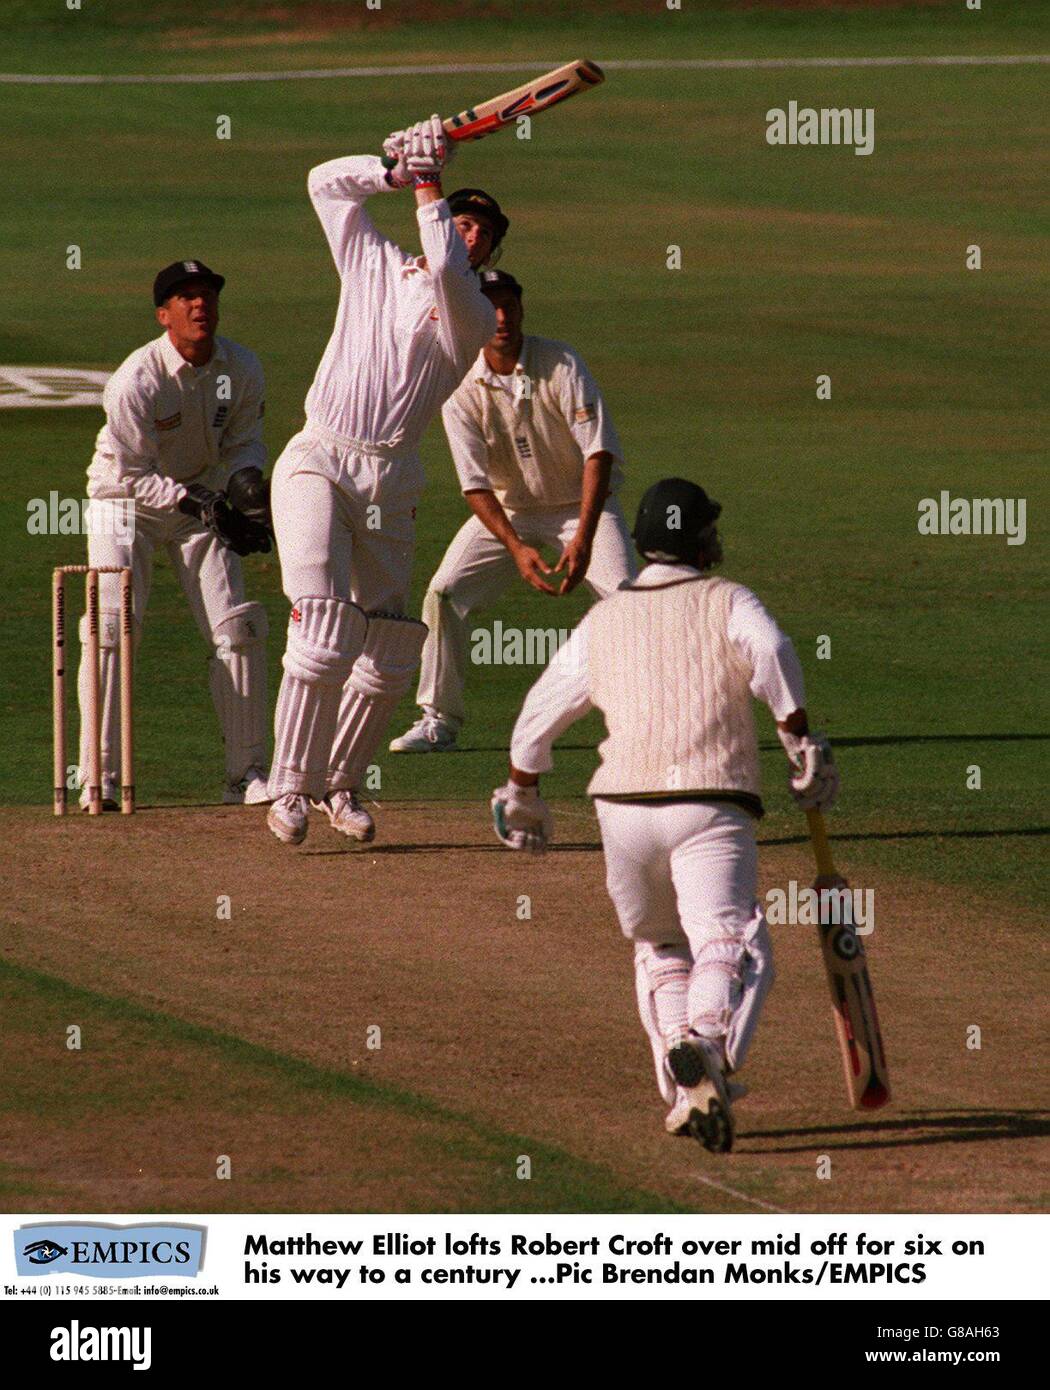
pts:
[526, 436]
[404, 335]
[169, 423]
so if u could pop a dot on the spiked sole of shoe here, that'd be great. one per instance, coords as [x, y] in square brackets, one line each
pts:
[714, 1130]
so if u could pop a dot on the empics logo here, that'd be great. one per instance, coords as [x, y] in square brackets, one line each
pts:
[109, 1252]
[44, 1252]
[77, 1343]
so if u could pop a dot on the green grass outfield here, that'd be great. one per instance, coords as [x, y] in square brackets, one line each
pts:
[796, 262]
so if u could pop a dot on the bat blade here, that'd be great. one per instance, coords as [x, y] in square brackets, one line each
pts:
[852, 997]
[539, 94]
[530, 98]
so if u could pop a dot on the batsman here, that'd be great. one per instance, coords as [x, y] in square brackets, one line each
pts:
[346, 487]
[673, 661]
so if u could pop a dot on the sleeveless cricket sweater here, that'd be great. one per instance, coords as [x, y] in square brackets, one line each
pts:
[675, 694]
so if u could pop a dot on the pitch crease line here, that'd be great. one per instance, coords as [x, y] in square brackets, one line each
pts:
[740, 1196]
[440, 69]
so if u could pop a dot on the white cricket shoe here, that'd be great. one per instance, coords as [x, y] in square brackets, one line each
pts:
[110, 794]
[346, 814]
[677, 1121]
[427, 735]
[288, 818]
[696, 1066]
[251, 790]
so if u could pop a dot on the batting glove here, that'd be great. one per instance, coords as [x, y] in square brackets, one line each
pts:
[814, 778]
[394, 150]
[521, 818]
[427, 150]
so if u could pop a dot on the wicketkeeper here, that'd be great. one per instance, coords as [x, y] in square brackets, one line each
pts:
[673, 661]
[179, 464]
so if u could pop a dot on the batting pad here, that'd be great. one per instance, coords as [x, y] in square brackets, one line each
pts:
[755, 982]
[325, 638]
[382, 674]
[661, 982]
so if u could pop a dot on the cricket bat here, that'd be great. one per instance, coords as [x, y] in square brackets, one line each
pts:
[852, 1000]
[527, 100]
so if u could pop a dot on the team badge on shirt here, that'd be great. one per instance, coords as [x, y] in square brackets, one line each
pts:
[169, 422]
[585, 413]
[523, 446]
[220, 416]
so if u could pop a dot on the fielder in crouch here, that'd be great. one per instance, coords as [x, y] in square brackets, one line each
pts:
[539, 464]
[673, 661]
[345, 488]
[178, 464]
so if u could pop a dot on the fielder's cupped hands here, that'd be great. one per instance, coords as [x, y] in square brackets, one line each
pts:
[532, 567]
[521, 818]
[814, 778]
[574, 560]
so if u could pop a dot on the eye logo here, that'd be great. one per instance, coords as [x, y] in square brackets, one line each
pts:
[43, 1252]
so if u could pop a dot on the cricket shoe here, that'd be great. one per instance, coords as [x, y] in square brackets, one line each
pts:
[110, 794]
[251, 790]
[677, 1121]
[696, 1067]
[288, 818]
[427, 735]
[346, 814]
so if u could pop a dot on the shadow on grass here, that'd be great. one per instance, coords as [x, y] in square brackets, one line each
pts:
[438, 847]
[916, 1129]
[916, 835]
[767, 746]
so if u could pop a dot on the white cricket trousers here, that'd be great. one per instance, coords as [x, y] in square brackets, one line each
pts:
[682, 876]
[213, 582]
[477, 569]
[344, 514]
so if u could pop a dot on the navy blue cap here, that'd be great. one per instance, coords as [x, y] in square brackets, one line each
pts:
[180, 271]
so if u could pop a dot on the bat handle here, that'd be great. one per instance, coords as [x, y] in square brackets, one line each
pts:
[818, 834]
[388, 161]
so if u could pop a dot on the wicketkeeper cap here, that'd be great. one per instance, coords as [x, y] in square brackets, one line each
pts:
[499, 280]
[180, 271]
[480, 204]
[671, 516]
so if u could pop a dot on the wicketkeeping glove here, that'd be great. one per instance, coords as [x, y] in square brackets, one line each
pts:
[229, 527]
[249, 492]
[814, 778]
[521, 817]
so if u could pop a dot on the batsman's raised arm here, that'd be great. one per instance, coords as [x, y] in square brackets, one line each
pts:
[338, 191]
[449, 241]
